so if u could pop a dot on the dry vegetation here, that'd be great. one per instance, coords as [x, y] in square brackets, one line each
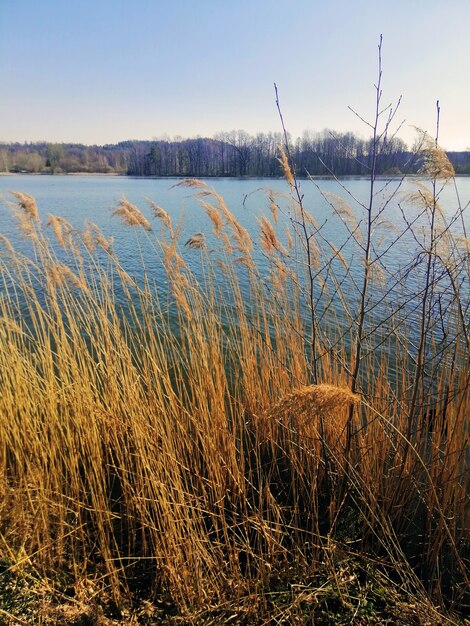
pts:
[247, 448]
[197, 465]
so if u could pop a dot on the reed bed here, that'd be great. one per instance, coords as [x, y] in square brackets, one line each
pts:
[231, 449]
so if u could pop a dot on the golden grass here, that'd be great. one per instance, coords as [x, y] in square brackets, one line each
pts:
[193, 457]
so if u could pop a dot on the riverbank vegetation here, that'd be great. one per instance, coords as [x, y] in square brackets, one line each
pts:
[205, 452]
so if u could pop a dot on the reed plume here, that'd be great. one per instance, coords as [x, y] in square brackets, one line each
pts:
[190, 182]
[27, 204]
[161, 214]
[131, 215]
[197, 241]
[436, 163]
[286, 168]
[315, 398]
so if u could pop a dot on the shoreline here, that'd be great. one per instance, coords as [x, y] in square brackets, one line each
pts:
[62, 174]
[206, 177]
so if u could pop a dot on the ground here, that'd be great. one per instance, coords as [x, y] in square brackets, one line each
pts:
[356, 595]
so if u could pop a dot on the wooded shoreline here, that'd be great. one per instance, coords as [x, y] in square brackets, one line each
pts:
[235, 154]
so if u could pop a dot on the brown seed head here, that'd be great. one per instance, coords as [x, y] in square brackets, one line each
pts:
[284, 161]
[436, 163]
[161, 214]
[27, 204]
[190, 182]
[198, 241]
[273, 206]
[316, 398]
[131, 215]
[269, 240]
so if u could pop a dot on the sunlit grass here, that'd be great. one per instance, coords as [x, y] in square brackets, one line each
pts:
[174, 442]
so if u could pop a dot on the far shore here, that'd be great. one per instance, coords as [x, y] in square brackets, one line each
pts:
[169, 177]
[61, 174]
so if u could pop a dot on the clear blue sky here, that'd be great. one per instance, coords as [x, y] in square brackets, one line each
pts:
[100, 71]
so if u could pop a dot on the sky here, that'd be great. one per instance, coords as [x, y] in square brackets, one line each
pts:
[103, 71]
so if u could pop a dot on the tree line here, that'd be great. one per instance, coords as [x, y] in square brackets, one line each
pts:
[234, 153]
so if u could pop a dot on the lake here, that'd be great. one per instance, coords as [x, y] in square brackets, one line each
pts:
[81, 198]
[93, 198]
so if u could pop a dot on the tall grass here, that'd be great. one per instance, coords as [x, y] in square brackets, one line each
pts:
[218, 459]
[284, 417]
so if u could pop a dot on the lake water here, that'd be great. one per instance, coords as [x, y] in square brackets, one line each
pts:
[93, 198]
[81, 198]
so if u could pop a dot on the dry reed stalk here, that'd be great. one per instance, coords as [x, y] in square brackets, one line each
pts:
[273, 206]
[105, 243]
[197, 241]
[301, 409]
[27, 204]
[241, 236]
[290, 241]
[58, 225]
[423, 198]
[7, 244]
[269, 240]
[213, 215]
[161, 214]
[190, 182]
[286, 168]
[436, 164]
[131, 215]
[26, 225]
[88, 239]
[60, 275]
[344, 211]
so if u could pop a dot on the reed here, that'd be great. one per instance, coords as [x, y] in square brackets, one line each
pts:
[198, 461]
[252, 443]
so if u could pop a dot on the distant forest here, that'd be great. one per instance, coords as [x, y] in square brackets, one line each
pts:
[233, 153]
